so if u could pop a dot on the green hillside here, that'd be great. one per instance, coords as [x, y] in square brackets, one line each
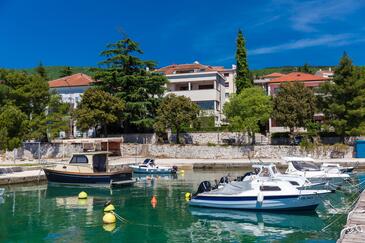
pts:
[54, 72]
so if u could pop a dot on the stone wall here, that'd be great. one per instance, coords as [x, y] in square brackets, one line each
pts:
[230, 152]
[32, 151]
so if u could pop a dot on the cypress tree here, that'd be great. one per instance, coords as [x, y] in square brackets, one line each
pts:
[41, 71]
[243, 78]
[66, 71]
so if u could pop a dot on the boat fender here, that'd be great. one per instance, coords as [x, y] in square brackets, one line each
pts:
[187, 196]
[260, 198]
[154, 201]
[109, 218]
[82, 195]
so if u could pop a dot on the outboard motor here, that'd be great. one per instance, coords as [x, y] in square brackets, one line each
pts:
[174, 169]
[205, 186]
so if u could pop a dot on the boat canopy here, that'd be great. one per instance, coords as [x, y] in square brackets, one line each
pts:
[265, 170]
[305, 166]
[98, 161]
[232, 188]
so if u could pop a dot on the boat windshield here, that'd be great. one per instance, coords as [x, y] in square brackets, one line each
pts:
[146, 161]
[305, 166]
[232, 188]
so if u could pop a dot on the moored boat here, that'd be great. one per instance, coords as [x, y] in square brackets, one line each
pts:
[149, 167]
[87, 168]
[304, 166]
[257, 195]
[337, 168]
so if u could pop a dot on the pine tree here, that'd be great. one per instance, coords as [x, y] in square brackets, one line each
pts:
[243, 78]
[343, 100]
[127, 77]
[67, 71]
[41, 71]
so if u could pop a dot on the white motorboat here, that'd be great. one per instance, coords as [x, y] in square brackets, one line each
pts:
[270, 172]
[149, 167]
[304, 166]
[337, 168]
[257, 195]
[2, 190]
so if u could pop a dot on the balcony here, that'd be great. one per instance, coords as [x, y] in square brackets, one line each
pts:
[198, 95]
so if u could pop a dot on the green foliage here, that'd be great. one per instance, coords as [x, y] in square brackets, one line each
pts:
[175, 112]
[247, 110]
[58, 118]
[98, 108]
[305, 68]
[13, 127]
[41, 71]
[53, 72]
[204, 123]
[126, 76]
[343, 100]
[243, 79]
[295, 106]
[67, 71]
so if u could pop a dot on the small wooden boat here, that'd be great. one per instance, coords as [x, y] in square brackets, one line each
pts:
[149, 167]
[87, 168]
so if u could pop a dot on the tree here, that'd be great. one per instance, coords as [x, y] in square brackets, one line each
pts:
[176, 112]
[13, 127]
[127, 77]
[98, 108]
[305, 68]
[294, 106]
[247, 110]
[41, 71]
[243, 77]
[343, 100]
[58, 116]
[66, 71]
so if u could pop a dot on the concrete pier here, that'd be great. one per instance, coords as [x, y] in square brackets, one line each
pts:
[354, 230]
[22, 177]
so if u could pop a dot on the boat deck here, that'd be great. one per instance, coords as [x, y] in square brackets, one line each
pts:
[354, 230]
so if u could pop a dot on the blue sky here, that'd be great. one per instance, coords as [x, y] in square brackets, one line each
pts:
[277, 32]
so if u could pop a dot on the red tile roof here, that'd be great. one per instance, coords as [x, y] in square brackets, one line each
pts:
[181, 68]
[78, 79]
[273, 75]
[298, 76]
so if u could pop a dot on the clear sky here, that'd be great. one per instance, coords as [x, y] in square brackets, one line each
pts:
[277, 32]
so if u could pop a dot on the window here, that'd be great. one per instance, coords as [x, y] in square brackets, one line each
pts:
[79, 159]
[206, 105]
[207, 86]
[226, 84]
[294, 183]
[270, 188]
[184, 88]
[226, 95]
[226, 74]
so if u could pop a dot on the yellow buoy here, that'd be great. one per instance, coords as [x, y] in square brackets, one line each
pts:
[182, 171]
[109, 208]
[109, 218]
[109, 227]
[82, 195]
[187, 195]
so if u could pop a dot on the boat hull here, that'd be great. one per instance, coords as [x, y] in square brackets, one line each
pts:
[86, 178]
[294, 202]
[144, 170]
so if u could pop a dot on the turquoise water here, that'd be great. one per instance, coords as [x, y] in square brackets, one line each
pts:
[49, 213]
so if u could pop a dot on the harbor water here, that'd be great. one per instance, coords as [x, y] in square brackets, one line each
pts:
[53, 213]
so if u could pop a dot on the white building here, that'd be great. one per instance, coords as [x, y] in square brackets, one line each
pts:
[204, 85]
[325, 73]
[70, 88]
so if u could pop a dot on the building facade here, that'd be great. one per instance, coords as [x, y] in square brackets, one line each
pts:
[204, 85]
[309, 80]
[70, 88]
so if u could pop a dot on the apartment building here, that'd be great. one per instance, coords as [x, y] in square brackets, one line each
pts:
[205, 85]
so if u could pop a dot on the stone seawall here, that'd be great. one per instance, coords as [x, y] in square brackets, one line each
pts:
[46, 151]
[230, 152]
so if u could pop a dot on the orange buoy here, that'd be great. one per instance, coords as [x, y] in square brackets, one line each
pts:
[154, 201]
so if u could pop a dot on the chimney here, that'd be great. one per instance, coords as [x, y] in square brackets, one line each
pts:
[330, 69]
[234, 66]
[196, 62]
